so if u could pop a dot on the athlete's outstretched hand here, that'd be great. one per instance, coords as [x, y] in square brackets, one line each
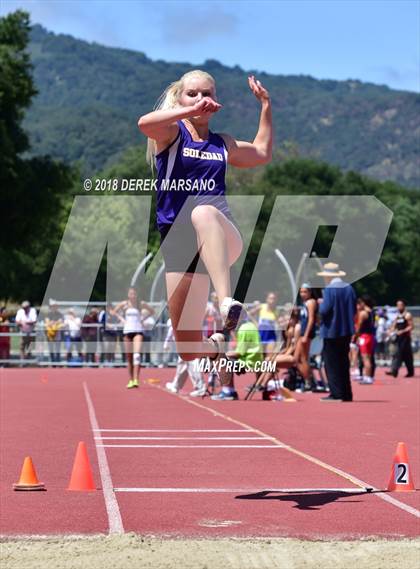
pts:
[256, 87]
[205, 105]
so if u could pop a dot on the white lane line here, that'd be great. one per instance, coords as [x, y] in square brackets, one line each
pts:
[180, 438]
[382, 495]
[243, 490]
[402, 505]
[191, 446]
[172, 430]
[111, 503]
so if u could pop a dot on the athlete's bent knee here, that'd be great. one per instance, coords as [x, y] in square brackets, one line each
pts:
[136, 359]
[203, 215]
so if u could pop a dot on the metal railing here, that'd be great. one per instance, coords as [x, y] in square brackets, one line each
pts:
[105, 348]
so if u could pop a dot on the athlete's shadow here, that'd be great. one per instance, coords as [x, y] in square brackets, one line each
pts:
[305, 500]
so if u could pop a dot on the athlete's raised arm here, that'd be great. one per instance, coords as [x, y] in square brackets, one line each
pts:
[161, 124]
[244, 154]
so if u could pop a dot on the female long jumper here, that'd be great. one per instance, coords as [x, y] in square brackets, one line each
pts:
[199, 238]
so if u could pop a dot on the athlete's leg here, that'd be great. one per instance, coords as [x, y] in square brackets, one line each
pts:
[407, 355]
[264, 377]
[137, 344]
[195, 375]
[187, 301]
[220, 245]
[302, 357]
[128, 348]
[397, 360]
[367, 365]
[354, 357]
[283, 361]
[269, 348]
[181, 374]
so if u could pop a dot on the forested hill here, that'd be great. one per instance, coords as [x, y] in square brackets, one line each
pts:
[91, 96]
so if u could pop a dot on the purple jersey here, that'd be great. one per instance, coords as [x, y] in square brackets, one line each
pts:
[188, 168]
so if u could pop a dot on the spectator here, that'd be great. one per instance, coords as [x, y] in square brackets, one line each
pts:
[284, 317]
[248, 348]
[337, 310]
[286, 357]
[73, 325]
[267, 322]
[109, 332]
[248, 344]
[90, 334]
[381, 334]
[365, 337]
[101, 330]
[4, 340]
[213, 321]
[183, 369]
[53, 324]
[308, 316]
[248, 351]
[169, 343]
[401, 329]
[26, 319]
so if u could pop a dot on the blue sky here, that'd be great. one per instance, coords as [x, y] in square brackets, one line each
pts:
[371, 40]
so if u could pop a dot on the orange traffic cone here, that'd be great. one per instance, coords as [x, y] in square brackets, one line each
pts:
[81, 476]
[401, 479]
[28, 479]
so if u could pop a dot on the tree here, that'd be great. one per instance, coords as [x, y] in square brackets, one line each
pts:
[35, 193]
[16, 86]
[398, 272]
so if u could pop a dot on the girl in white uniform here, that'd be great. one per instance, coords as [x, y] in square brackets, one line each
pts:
[133, 332]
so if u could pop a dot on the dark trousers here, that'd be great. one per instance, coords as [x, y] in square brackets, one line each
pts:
[54, 347]
[404, 355]
[337, 366]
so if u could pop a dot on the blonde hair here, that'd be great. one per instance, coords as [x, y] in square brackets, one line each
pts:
[169, 99]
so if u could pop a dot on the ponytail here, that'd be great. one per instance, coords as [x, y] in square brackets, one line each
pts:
[167, 100]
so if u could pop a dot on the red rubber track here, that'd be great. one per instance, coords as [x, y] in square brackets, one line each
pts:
[44, 414]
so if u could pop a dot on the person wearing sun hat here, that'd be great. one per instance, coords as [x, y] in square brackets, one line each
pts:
[26, 319]
[337, 310]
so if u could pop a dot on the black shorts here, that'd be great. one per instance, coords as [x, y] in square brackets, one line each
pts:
[180, 251]
[132, 335]
[312, 333]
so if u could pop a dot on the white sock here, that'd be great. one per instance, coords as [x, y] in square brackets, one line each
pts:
[227, 389]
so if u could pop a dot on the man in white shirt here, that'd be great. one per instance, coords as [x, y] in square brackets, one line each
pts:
[26, 318]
